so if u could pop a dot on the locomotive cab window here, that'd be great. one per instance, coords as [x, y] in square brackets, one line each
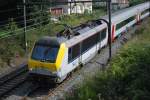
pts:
[45, 53]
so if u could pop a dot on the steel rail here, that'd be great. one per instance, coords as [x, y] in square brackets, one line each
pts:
[11, 80]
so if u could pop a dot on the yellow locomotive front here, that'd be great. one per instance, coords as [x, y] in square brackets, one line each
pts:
[46, 58]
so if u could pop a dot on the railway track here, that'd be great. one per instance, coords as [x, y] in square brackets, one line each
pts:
[31, 89]
[52, 90]
[11, 80]
[34, 89]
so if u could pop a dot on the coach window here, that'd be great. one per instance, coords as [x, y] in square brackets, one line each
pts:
[103, 34]
[119, 25]
[123, 23]
[145, 11]
[130, 19]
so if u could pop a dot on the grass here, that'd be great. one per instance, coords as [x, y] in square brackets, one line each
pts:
[127, 78]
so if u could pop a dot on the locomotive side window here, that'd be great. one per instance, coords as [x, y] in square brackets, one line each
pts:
[92, 40]
[73, 52]
[85, 45]
[89, 42]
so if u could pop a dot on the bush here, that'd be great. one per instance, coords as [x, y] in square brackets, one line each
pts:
[128, 78]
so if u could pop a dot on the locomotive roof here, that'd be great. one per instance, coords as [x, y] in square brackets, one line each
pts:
[51, 41]
[78, 30]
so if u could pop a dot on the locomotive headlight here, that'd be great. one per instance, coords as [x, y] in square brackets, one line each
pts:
[30, 69]
[55, 73]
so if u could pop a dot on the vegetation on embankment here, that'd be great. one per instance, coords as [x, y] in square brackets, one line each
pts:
[127, 78]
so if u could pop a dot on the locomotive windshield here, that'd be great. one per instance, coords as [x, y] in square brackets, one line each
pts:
[45, 53]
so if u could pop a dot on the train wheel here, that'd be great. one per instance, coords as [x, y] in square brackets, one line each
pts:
[81, 65]
[99, 51]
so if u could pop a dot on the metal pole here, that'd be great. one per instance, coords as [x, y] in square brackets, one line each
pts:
[25, 25]
[109, 28]
[149, 7]
[70, 8]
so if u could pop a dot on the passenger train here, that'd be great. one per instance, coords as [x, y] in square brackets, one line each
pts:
[53, 58]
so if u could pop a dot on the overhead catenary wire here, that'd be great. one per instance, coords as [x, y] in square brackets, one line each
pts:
[41, 3]
[31, 14]
[48, 20]
[29, 28]
[14, 9]
[11, 32]
[29, 20]
[22, 21]
[6, 36]
[17, 19]
[7, 10]
[19, 22]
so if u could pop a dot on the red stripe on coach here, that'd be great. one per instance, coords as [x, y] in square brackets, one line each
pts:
[113, 32]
